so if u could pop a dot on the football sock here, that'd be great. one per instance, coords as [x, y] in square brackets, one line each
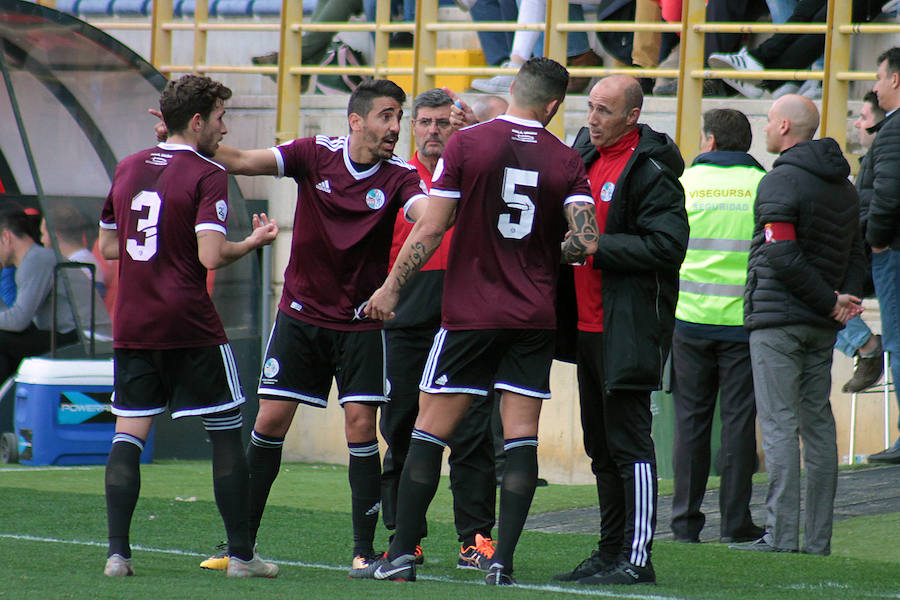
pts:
[263, 460]
[230, 480]
[123, 485]
[418, 483]
[516, 493]
[365, 494]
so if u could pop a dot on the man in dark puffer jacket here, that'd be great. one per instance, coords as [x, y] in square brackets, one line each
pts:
[805, 272]
[883, 224]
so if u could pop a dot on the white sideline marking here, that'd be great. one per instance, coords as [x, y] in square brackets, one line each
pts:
[620, 593]
[30, 469]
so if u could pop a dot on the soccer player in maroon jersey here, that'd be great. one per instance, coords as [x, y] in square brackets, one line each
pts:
[349, 192]
[511, 187]
[165, 220]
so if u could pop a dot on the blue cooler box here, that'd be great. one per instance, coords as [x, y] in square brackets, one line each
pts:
[63, 412]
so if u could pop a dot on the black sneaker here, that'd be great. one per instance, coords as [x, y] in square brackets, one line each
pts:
[891, 455]
[477, 556]
[748, 535]
[596, 562]
[624, 573]
[496, 576]
[402, 568]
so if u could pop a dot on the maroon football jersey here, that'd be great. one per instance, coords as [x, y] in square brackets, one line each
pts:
[342, 229]
[160, 198]
[511, 178]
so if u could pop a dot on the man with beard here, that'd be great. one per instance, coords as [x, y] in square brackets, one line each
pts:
[409, 337]
[349, 191]
[165, 220]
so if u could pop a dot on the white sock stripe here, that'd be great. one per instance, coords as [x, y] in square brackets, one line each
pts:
[258, 441]
[519, 442]
[431, 363]
[127, 437]
[370, 450]
[384, 358]
[643, 513]
[424, 436]
[213, 423]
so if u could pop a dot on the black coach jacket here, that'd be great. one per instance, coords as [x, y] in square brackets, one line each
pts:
[794, 281]
[640, 253]
[881, 188]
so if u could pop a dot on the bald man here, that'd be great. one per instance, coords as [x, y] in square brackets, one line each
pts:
[805, 273]
[626, 295]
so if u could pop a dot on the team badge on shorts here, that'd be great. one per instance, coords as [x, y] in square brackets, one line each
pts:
[271, 368]
[606, 192]
[375, 198]
[222, 210]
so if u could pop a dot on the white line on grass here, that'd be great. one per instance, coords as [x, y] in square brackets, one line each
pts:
[293, 563]
[30, 469]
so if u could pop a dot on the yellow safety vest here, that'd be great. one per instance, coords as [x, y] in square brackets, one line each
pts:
[719, 202]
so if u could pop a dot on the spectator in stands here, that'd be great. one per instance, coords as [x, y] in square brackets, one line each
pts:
[882, 225]
[25, 327]
[804, 277]
[784, 50]
[710, 348]
[856, 339]
[496, 45]
[578, 49]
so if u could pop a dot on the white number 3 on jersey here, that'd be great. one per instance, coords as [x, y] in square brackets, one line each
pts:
[148, 226]
[512, 178]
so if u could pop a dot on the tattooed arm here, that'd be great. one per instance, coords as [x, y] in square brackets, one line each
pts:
[581, 240]
[420, 244]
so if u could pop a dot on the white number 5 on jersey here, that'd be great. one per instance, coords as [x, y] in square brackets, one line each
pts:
[148, 226]
[512, 178]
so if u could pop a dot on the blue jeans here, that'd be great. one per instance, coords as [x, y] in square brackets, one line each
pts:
[781, 10]
[496, 45]
[853, 336]
[576, 42]
[886, 275]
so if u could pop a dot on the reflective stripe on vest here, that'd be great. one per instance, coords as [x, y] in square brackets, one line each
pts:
[719, 202]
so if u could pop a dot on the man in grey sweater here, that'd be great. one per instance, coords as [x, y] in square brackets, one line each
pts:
[25, 326]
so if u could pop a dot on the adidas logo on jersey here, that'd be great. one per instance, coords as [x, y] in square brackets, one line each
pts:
[441, 380]
[325, 186]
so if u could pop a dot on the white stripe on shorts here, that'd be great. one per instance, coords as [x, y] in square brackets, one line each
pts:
[431, 363]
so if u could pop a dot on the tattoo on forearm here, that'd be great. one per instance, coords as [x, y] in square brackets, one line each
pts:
[583, 223]
[418, 256]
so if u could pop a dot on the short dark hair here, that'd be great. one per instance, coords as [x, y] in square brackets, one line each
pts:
[20, 224]
[187, 96]
[362, 97]
[540, 81]
[892, 56]
[68, 223]
[730, 127]
[433, 98]
[872, 98]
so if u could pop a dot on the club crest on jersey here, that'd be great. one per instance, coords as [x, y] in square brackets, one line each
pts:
[222, 210]
[271, 368]
[606, 192]
[375, 198]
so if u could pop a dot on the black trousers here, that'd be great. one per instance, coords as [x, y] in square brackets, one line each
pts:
[472, 476]
[616, 428]
[701, 370]
[16, 345]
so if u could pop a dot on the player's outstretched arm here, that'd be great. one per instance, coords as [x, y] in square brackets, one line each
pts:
[583, 232]
[420, 244]
[216, 252]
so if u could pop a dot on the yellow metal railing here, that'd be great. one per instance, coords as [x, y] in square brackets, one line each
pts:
[836, 75]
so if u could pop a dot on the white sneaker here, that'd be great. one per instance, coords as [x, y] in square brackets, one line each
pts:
[746, 88]
[811, 89]
[118, 566]
[255, 567]
[741, 61]
[788, 87]
[466, 5]
[498, 84]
